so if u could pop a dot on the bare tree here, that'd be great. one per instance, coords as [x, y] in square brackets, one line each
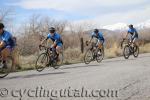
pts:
[6, 15]
[60, 26]
[34, 30]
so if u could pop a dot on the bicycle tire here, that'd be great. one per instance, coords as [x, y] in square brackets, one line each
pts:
[136, 51]
[45, 58]
[100, 56]
[126, 55]
[60, 62]
[5, 71]
[85, 56]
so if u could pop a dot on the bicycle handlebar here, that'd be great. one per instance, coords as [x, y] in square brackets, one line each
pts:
[87, 43]
[40, 47]
[123, 40]
[45, 47]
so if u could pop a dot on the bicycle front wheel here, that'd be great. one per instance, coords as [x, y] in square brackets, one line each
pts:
[41, 62]
[88, 56]
[126, 52]
[6, 68]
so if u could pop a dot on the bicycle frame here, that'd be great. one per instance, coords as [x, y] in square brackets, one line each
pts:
[48, 51]
[94, 48]
[131, 46]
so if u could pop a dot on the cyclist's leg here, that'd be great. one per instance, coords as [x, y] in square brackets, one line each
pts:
[101, 42]
[97, 42]
[58, 49]
[5, 53]
[130, 39]
[135, 41]
[102, 45]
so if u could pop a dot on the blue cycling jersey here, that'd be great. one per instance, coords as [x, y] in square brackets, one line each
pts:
[55, 38]
[99, 36]
[7, 38]
[133, 32]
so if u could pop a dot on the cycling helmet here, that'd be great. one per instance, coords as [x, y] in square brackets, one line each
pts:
[96, 30]
[1, 25]
[130, 26]
[52, 30]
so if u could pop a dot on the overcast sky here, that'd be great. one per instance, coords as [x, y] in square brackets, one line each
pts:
[102, 12]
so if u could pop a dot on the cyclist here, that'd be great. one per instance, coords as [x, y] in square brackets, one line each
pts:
[57, 41]
[133, 34]
[6, 44]
[98, 35]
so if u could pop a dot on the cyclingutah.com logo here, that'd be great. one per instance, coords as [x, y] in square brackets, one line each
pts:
[69, 92]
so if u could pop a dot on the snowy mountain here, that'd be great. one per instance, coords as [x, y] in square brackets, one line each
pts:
[116, 27]
[124, 26]
[143, 25]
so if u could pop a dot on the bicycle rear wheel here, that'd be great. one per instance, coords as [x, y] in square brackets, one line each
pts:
[6, 69]
[136, 51]
[126, 52]
[100, 55]
[88, 56]
[41, 62]
[59, 62]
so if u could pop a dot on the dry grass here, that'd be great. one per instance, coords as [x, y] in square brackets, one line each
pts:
[72, 52]
[28, 61]
[145, 48]
[115, 51]
[74, 55]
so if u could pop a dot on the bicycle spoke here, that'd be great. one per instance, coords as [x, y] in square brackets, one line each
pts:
[100, 55]
[5, 68]
[136, 51]
[126, 52]
[88, 56]
[41, 62]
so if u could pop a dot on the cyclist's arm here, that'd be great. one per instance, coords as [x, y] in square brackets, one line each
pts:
[54, 44]
[2, 44]
[126, 35]
[4, 40]
[43, 41]
[91, 38]
[135, 32]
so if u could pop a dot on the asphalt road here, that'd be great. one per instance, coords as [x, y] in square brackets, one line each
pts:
[112, 79]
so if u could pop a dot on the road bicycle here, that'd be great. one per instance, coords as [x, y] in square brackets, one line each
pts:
[129, 48]
[95, 52]
[48, 59]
